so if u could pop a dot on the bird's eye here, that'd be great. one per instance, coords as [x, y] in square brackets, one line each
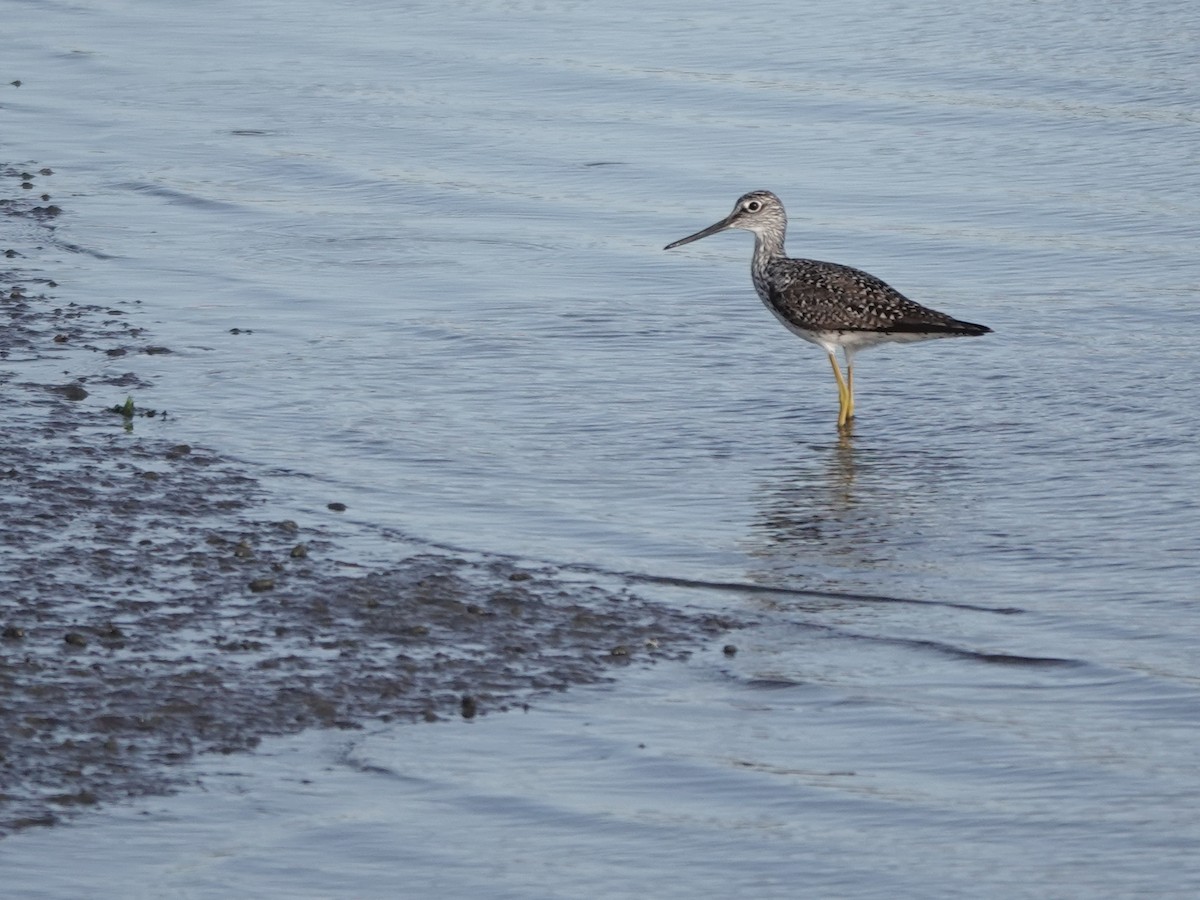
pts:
[753, 206]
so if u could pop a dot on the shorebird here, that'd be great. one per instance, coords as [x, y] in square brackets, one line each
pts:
[826, 303]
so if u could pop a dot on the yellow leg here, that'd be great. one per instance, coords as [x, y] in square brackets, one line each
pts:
[845, 403]
[850, 388]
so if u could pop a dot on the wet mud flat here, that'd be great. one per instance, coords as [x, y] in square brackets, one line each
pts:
[152, 608]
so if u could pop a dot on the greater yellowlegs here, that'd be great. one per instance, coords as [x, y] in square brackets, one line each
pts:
[826, 303]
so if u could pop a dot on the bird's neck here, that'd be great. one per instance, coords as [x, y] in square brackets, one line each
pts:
[768, 245]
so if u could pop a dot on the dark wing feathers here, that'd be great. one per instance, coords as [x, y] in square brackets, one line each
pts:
[823, 296]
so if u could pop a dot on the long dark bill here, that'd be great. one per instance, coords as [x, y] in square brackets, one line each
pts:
[711, 229]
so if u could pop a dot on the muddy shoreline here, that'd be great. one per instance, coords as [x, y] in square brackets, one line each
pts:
[153, 608]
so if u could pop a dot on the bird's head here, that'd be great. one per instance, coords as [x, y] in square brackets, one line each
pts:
[757, 211]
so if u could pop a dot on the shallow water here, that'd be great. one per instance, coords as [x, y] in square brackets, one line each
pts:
[439, 235]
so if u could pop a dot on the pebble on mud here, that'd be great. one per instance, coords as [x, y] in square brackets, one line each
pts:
[469, 706]
[336, 506]
[72, 391]
[729, 650]
[75, 639]
[300, 551]
[258, 585]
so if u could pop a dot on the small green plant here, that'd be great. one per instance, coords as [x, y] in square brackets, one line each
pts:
[125, 409]
[128, 411]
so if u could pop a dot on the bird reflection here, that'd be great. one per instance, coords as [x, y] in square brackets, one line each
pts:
[837, 505]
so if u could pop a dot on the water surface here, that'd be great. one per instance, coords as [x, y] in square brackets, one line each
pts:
[438, 231]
